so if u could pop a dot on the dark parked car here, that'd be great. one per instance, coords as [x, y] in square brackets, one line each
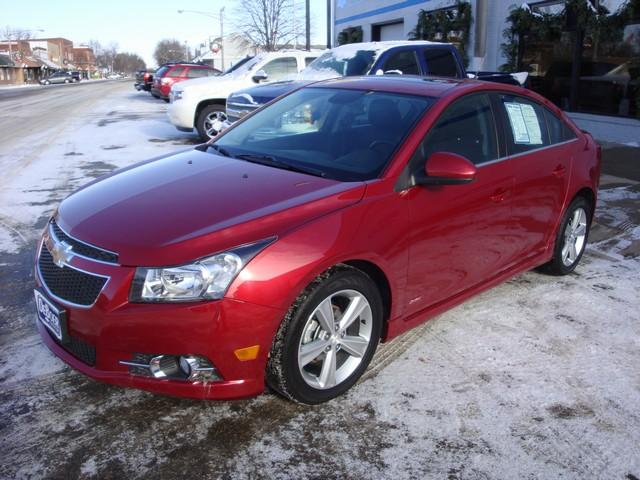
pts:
[144, 79]
[59, 77]
[341, 215]
[373, 58]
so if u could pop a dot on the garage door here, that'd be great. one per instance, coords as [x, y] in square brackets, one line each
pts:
[392, 31]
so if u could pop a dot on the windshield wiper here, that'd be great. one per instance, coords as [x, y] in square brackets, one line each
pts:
[221, 150]
[273, 162]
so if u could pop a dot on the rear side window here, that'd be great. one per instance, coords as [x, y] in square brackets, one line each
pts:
[441, 62]
[176, 72]
[559, 131]
[197, 72]
[525, 124]
[404, 62]
[308, 60]
[466, 128]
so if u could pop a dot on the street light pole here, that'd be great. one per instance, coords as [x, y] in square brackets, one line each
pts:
[220, 16]
[222, 42]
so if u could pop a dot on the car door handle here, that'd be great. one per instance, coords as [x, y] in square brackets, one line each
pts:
[559, 171]
[500, 195]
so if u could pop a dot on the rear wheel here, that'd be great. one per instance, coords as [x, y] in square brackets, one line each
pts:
[571, 239]
[327, 338]
[209, 121]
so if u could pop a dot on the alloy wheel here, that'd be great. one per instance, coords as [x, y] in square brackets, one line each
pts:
[335, 338]
[574, 237]
[213, 123]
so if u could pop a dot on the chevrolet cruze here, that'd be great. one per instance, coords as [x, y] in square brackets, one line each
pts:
[334, 218]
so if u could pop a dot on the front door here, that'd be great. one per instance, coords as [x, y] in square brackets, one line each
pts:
[460, 235]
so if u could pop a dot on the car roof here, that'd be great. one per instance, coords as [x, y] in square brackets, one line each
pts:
[434, 87]
[387, 44]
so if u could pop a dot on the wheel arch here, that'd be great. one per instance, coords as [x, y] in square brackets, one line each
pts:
[205, 103]
[378, 276]
[589, 195]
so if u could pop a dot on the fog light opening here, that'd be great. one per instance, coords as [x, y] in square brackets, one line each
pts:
[192, 368]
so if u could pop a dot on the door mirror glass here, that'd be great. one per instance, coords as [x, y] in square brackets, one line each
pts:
[446, 168]
[260, 76]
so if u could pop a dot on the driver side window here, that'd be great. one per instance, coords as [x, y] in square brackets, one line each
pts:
[467, 128]
[279, 68]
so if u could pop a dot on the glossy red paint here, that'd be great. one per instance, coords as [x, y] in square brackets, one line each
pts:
[435, 245]
[452, 166]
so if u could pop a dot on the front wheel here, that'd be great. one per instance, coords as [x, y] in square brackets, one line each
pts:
[327, 338]
[209, 122]
[66, 81]
[571, 239]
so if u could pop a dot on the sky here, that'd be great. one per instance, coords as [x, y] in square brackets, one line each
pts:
[137, 26]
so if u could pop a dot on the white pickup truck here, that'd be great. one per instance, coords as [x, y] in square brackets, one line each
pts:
[200, 103]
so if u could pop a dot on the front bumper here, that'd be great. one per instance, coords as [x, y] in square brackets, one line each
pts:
[117, 330]
[180, 115]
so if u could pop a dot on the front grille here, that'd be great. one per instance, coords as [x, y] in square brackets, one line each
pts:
[81, 350]
[84, 249]
[67, 283]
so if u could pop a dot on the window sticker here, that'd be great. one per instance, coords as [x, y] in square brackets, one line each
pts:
[524, 123]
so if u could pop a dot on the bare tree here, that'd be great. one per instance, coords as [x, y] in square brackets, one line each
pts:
[169, 50]
[9, 33]
[128, 62]
[268, 24]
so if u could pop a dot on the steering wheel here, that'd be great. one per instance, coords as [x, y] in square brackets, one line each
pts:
[375, 143]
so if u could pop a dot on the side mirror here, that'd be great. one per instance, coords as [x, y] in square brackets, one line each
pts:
[259, 76]
[445, 168]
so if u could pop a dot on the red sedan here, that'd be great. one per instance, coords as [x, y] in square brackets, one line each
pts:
[336, 217]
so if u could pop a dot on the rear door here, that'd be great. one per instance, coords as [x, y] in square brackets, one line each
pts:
[542, 165]
[441, 62]
[460, 234]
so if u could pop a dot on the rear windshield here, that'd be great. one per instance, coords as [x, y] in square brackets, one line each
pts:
[161, 71]
[347, 135]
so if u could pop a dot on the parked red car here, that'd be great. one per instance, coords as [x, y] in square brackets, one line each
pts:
[338, 216]
[172, 73]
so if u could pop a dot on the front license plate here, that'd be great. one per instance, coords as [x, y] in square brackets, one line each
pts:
[51, 316]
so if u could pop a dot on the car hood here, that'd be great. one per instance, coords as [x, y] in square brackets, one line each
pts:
[265, 93]
[186, 206]
[219, 87]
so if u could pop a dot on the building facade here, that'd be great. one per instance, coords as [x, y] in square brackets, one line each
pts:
[606, 82]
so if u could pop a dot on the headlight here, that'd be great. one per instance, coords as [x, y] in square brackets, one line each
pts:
[177, 95]
[204, 279]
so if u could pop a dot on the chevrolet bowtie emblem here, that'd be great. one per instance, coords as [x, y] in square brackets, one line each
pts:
[61, 252]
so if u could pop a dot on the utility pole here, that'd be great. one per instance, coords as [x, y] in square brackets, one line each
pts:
[308, 26]
[222, 43]
[329, 25]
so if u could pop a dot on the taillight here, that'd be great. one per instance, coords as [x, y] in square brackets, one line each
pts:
[145, 77]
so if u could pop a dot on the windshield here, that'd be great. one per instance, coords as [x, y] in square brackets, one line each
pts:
[347, 135]
[161, 71]
[237, 65]
[246, 66]
[340, 62]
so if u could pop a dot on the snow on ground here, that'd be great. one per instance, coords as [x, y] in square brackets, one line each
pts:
[536, 378]
[116, 132]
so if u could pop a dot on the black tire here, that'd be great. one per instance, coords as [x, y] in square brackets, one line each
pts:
[283, 372]
[166, 100]
[557, 265]
[202, 118]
